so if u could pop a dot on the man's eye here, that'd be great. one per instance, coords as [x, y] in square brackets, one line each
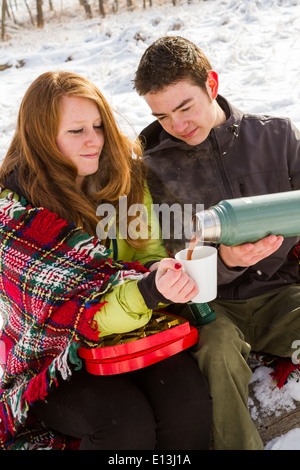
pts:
[75, 131]
[186, 109]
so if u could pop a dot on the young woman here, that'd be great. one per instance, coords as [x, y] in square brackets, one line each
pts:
[67, 162]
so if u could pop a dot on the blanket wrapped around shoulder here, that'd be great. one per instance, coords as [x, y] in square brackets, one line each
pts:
[52, 279]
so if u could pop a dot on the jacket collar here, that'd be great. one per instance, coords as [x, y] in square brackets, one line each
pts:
[227, 133]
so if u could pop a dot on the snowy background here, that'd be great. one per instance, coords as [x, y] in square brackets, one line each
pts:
[254, 45]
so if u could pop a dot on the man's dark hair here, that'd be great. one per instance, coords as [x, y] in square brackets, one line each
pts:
[169, 60]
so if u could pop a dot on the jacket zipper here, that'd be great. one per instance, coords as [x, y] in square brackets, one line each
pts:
[242, 190]
[217, 156]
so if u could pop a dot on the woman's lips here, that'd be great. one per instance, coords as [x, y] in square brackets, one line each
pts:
[90, 156]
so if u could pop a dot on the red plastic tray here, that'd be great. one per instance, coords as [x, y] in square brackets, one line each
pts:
[134, 355]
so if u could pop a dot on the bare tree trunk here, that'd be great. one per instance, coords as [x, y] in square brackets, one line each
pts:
[101, 8]
[10, 7]
[40, 16]
[115, 6]
[7, 8]
[87, 8]
[4, 7]
[29, 11]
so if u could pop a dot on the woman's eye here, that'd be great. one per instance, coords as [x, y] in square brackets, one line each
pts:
[75, 131]
[98, 128]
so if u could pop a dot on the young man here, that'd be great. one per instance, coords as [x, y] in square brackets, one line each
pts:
[202, 150]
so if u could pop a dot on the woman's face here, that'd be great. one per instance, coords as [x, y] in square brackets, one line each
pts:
[80, 135]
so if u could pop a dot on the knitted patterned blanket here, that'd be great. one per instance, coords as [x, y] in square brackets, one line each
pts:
[52, 279]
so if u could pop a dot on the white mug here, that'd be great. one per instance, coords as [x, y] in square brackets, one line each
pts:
[202, 268]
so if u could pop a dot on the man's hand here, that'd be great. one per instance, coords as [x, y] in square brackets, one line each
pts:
[173, 283]
[249, 254]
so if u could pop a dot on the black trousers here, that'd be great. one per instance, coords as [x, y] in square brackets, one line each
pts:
[165, 406]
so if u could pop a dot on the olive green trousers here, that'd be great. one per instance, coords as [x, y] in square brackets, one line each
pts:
[268, 323]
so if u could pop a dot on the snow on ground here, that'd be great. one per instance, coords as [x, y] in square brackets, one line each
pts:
[254, 45]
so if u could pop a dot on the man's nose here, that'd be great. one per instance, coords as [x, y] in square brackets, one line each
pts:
[179, 125]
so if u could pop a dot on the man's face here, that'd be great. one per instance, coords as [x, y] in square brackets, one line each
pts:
[185, 111]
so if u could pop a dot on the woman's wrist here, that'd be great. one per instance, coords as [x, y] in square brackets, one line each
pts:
[150, 293]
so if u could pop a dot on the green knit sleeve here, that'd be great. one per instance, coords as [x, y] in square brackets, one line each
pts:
[124, 311]
[154, 250]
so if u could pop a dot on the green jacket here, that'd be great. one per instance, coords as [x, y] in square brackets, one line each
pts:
[126, 309]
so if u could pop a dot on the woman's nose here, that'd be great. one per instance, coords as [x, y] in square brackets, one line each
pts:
[94, 138]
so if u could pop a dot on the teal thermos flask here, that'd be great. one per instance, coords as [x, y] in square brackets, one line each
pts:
[245, 220]
[248, 219]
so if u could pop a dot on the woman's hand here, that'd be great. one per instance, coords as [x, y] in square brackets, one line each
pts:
[154, 266]
[173, 283]
[249, 254]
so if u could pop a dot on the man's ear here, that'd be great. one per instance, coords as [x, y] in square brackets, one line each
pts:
[213, 83]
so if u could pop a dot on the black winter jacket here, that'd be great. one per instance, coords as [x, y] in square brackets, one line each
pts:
[245, 156]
